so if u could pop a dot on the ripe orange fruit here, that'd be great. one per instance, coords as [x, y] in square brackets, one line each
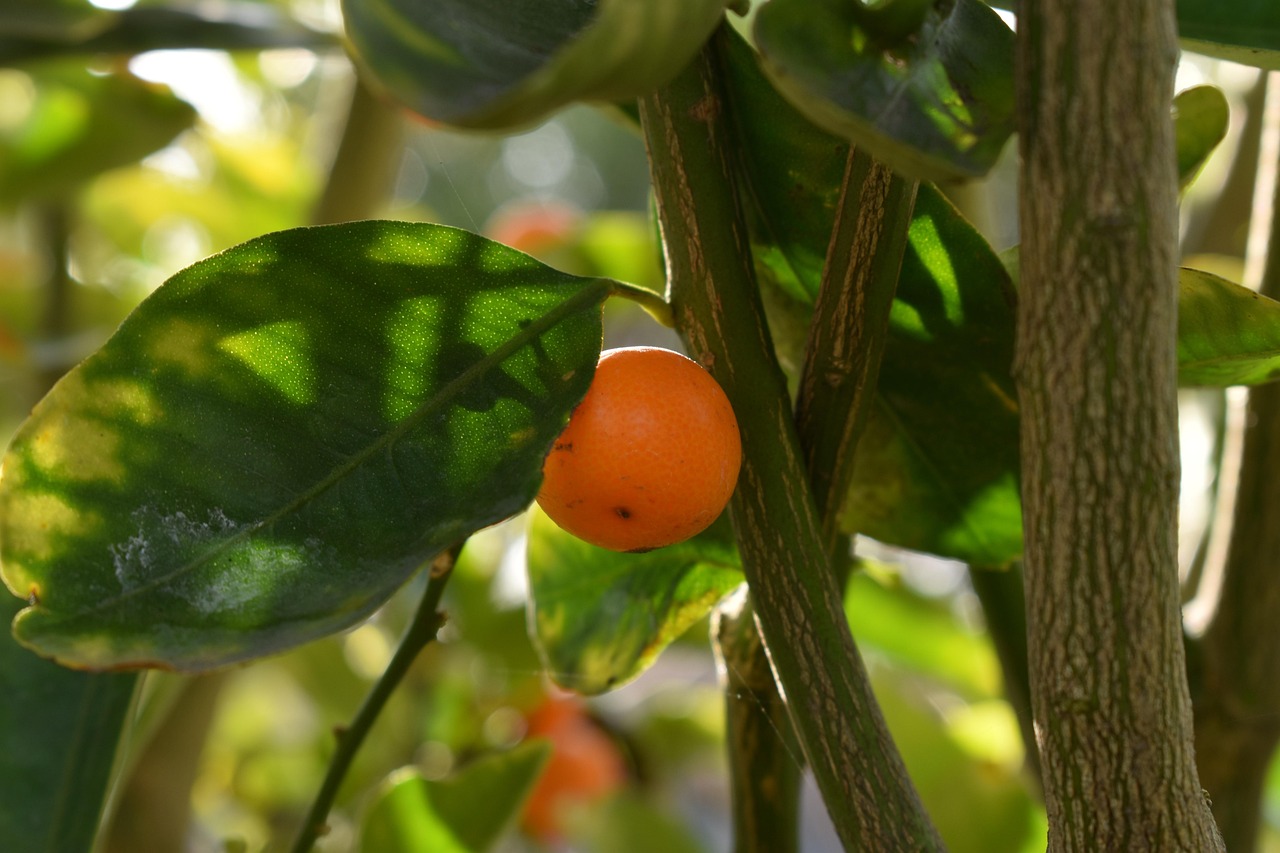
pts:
[585, 766]
[650, 456]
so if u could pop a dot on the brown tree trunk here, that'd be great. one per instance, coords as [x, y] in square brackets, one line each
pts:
[1096, 373]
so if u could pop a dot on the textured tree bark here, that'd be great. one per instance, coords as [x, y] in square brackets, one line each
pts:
[1096, 373]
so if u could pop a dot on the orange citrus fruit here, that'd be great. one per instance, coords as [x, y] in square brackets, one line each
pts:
[585, 766]
[650, 456]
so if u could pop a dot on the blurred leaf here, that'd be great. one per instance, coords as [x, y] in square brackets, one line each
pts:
[59, 733]
[627, 823]
[935, 106]
[466, 813]
[505, 63]
[1244, 31]
[65, 20]
[281, 435]
[1200, 118]
[226, 25]
[1227, 334]
[937, 469]
[978, 805]
[600, 618]
[920, 634]
[80, 124]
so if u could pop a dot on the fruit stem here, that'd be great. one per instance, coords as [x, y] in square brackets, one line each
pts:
[426, 622]
[653, 303]
[799, 608]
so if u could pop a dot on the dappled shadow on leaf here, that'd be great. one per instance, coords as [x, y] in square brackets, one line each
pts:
[298, 424]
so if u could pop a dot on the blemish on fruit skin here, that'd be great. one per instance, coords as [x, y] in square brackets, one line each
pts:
[622, 512]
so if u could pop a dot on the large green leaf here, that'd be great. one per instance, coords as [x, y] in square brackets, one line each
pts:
[599, 617]
[1200, 118]
[505, 63]
[936, 104]
[59, 733]
[466, 813]
[1245, 31]
[281, 435]
[80, 124]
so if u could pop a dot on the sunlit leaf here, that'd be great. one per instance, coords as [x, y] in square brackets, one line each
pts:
[600, 617]
[79, 124]
[937, 105]
[60, 732]
[281, 435]
[506, 63]
[465, 813]
[1227, 334]
[1200, 118]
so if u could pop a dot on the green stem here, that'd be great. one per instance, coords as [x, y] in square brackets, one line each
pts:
[364, 165]
[850, 326]
[798, 606]
[764, 772]
[421, 631]
[55, 320]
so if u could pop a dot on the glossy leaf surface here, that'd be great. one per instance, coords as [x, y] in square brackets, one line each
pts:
[1200, 118]
[506, 63]
[281, 435]
[59, 732]
[599, 617]
[465, 813]
[80, 124]
[937, 105]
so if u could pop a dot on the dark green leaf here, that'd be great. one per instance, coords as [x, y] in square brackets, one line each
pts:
[600, 618]
[282, 434]
[81, 124]
[65, 20]
[1200, 118]
[1227, 334]
[1245, 31]
[505, 63]
[935, 106]
[466, 813]
[60, 731]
